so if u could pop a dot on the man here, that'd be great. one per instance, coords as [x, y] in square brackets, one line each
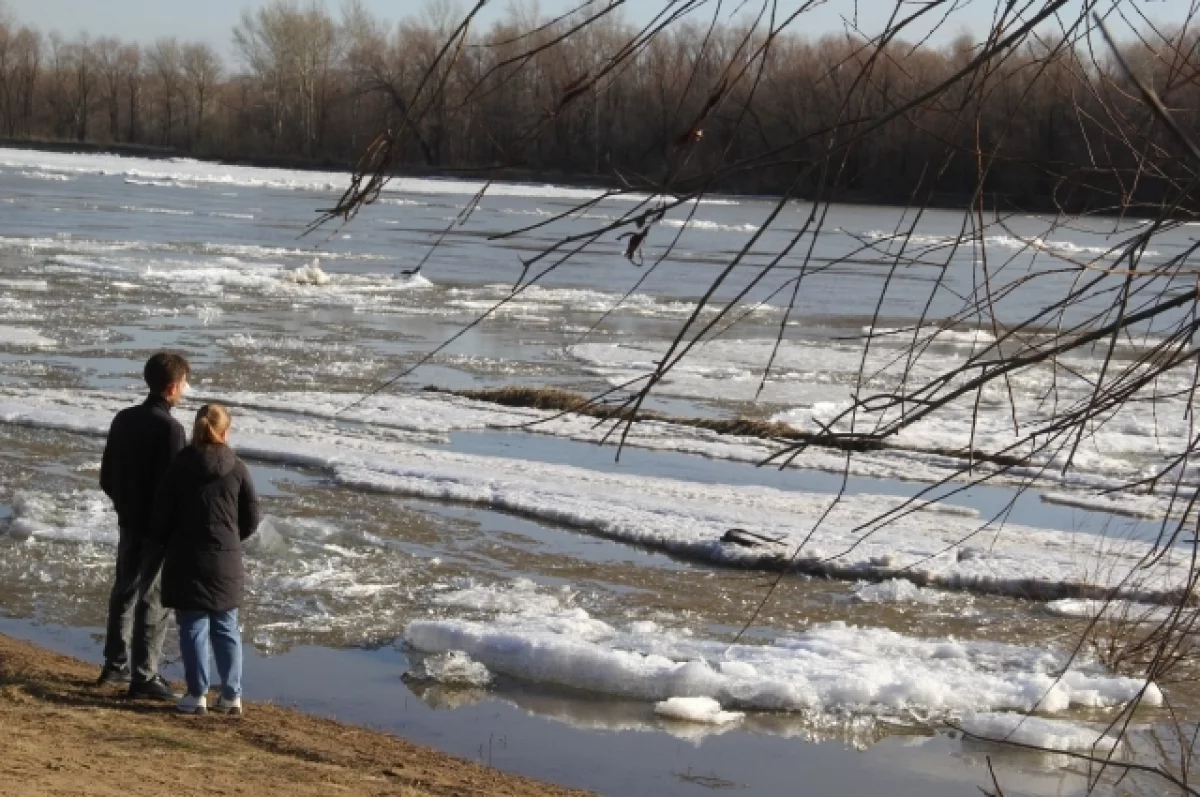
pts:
[142, 441]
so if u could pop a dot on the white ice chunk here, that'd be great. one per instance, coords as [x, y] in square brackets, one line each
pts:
[519, 596]
[25, 338]
[310, 274]
[185, 172]
[1116, 610]
[267, 540]
[896, 590]
[453, 668]
[696, 709]
[1051, 734]
[80, 516]
[831, 667]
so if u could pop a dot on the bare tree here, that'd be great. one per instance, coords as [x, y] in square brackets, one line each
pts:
[60, 90]
[107, 52]
[269, 44]
[130, 68]
[165, 63]
[26, 49]
[84, 63]
[201, 70]
[363, 45]
[6, 74]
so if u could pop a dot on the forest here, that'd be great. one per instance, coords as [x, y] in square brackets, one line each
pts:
[557, 99]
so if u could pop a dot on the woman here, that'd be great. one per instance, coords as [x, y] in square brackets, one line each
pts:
[206, 506]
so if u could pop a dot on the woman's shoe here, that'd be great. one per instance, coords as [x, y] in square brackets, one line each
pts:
[193, 705]
[232, 707]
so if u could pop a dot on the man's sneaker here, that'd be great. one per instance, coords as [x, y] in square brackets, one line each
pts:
[193, 705]
[154, 689]
[113, 674]
[232, 707]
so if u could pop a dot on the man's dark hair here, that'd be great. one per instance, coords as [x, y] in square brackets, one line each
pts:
[165, 369]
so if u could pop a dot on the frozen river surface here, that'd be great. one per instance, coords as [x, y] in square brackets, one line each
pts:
[527, 567]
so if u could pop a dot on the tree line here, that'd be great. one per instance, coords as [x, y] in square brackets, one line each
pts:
[535, 96]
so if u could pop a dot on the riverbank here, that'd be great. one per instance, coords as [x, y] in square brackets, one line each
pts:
[507, 174]
[66, 736]
[944, 200]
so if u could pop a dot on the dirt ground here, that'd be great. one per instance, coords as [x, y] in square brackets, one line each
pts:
[64, 736]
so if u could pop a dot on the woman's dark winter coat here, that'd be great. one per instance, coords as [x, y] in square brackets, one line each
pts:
[205, 507]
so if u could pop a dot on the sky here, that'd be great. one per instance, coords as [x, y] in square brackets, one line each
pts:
[212, 20]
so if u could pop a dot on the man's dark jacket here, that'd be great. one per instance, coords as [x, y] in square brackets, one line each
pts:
[206, 507]
[142, 441]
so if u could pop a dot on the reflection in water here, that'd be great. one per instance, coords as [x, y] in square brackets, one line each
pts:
[938, 752]
[602, 714]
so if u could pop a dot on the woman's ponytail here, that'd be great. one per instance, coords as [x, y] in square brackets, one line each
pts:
[212, 421]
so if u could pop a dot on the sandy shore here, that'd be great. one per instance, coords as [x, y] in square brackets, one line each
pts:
[63, 735]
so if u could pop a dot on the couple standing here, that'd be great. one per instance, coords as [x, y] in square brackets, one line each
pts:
[183, 512]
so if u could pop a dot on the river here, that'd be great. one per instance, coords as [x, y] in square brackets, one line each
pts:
[541, 588]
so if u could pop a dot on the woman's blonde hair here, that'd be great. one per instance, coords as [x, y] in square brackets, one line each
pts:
[212, 421]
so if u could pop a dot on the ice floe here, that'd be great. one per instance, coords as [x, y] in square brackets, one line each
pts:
[305, 575]
[32, 285]
[310, 274]
[708, 226]
[81, 516]
[453, 668]
[40, 175]
[815, 380]
[281, 273]
[863, 536]
[185, 172]
[896, 590]
[520, 596]
[1152, 506]
[24, 338]
[1048, 734]
[830, 668]
[1034, 243]
[696, 709]
[159, 211]
[69, 245]
[1115, 610]
[227, 276]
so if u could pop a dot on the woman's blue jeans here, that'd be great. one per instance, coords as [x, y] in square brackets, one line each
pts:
[196, 630]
